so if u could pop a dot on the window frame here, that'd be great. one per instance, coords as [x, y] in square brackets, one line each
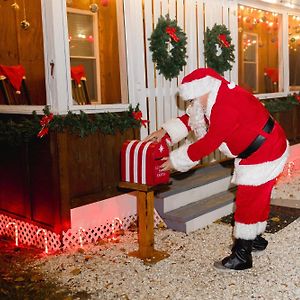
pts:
[96, 56]
[282, 49]
[292, 88]
[56, 50]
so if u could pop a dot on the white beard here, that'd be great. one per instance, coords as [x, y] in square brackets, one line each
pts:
[197, 121]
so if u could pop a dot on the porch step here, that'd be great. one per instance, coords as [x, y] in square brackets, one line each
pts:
[200, 213]
[194, 186]
[196, 199]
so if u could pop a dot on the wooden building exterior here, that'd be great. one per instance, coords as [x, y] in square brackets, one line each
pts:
[43, 180]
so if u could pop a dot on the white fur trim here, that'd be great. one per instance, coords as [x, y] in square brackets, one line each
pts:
[260, 173]
[212, 97]
[231, 85]
[245, 231]
[248, 231]
[176, 130]
[261, 227]
[180, 159]
[225, 150]
[196, 88]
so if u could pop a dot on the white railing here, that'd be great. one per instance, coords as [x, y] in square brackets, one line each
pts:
[158, 97]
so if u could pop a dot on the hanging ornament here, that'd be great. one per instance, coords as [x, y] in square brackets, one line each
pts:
[24, 23]
[15, 6]
[240, 29]
[293, 40]
[94, 7]
[104, 2]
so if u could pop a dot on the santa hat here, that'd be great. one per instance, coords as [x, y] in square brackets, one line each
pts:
[200, 82]
[14, 74]
[78, 73]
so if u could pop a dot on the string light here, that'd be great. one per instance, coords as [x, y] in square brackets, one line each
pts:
[114, 222]
[16, 232]
[80, 232]
[45, 238]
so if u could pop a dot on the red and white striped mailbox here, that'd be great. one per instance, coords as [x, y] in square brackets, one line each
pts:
[140, 162]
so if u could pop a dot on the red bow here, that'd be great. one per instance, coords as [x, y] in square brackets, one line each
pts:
[171, 31]
[138, 116]
[223, 40]
[44, 123]
[297, 97]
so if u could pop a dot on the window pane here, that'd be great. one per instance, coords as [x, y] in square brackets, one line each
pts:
[90, 71]
[81, 36]
[259, 41]
[294, 52]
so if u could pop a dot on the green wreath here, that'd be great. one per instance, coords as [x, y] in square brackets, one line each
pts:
[168, 46]
[218, 50]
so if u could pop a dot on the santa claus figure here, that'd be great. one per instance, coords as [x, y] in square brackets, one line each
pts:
[223, 115]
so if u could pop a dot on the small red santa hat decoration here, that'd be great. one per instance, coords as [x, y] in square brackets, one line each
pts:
[200, 82]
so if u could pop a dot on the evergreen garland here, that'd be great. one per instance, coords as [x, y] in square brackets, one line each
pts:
[168, 46]
[27, 129]
[218, 50]
[281, 104]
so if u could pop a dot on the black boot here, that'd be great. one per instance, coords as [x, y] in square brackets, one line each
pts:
[259, 244]
[239, 259]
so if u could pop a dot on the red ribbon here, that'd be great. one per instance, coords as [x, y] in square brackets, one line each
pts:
[44, 123]
[171, 31]
[137, 115]
[223, 40]
[297, 97]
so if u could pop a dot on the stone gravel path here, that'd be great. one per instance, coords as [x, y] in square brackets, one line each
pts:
[104, 271]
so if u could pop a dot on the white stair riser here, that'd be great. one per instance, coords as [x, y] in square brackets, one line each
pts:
[186, 197]
[209, 218]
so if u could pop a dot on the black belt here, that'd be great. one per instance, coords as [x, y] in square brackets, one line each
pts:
[258, 141]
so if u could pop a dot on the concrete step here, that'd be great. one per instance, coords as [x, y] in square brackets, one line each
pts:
[200, 213]
[187, 188]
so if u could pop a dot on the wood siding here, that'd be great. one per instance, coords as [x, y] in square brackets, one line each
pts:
[19, 46]
[43, 180]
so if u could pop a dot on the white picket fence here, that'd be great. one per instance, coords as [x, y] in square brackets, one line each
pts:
[158, 97]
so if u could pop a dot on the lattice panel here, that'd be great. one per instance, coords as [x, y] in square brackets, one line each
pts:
[29, 234]
[78, 237]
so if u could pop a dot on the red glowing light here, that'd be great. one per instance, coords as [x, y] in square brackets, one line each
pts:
[45, 238]
[90, 39]
[16, 231]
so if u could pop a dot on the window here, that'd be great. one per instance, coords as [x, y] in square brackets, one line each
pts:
[95, 38]
[260, 43]
[250, 61]
[294, 52]
[82, 27]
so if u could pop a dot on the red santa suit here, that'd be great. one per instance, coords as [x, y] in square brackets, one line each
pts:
[235, 120]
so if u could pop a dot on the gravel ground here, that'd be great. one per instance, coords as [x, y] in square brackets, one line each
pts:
[288, 188]
[104, 271]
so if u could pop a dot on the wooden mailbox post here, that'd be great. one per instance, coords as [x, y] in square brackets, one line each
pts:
[145, 212]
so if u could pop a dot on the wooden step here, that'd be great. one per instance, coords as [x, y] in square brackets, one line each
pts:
[189, 187]
[200, 213]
